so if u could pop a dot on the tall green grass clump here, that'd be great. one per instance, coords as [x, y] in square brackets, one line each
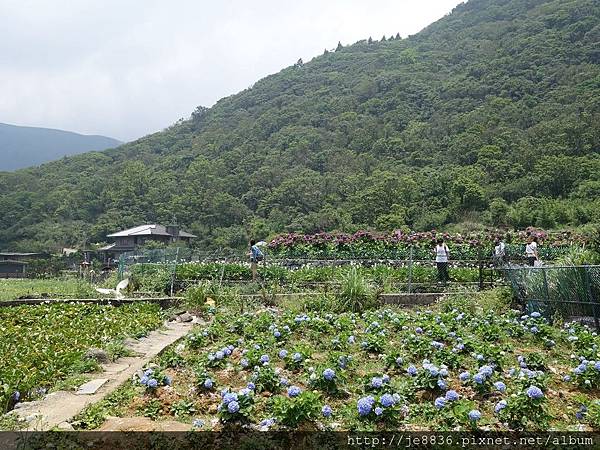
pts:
[355, 293]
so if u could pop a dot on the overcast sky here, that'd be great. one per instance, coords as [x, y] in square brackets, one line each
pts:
[126, 68]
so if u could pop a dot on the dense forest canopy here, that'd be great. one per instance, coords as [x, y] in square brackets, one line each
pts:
[489, 116]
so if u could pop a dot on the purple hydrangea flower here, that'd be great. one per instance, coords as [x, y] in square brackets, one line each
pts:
[365, 405]
[326, 411]
[500, 386]
[440, 402]
[251, 386]
[229, 397]
[294, 391]
[500, 406]
[474, 415]
[376, 382]
[452, 395]
[534, 392]
[419, 330]
[329, 374]
[233, 407]
[387, 400]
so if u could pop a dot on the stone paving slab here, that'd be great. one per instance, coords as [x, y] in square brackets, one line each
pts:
[62, 406]
[91, 387]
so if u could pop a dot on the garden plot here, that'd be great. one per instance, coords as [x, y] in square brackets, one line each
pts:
[455, 366]
[43, 347]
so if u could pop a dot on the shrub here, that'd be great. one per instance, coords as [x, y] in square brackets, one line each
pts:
[292, 411]
[355, 293]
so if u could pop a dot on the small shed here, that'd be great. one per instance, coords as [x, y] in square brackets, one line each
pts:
[10, 268]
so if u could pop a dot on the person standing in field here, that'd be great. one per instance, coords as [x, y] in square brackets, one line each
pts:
[531, 251]
[441, 261]
[256, 255]
[499, 252]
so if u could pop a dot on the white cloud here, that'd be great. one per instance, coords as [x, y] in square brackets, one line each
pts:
[128, 68]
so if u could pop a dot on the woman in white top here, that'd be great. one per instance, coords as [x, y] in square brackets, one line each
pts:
[531, 250]
[441, 260]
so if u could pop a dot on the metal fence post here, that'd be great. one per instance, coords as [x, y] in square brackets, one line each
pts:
[410, 266]
[480, 266]
[591, 298]
[546, 285]
[174, 273]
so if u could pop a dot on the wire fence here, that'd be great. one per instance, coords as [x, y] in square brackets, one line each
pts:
[570, 292]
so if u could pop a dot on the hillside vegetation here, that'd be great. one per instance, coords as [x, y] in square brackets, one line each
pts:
[490, 116]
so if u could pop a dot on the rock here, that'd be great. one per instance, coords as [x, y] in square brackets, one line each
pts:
[97, 354]
[185, 317]
[65, 426]
[91, 387]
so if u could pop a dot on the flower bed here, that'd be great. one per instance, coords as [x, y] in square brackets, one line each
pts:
[447, 369]
[397, 245]
[42, 345]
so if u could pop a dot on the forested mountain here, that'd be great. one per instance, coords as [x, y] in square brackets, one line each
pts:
[29, 146]
[490, 115]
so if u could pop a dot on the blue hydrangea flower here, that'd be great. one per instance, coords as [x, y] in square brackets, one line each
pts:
[535, 314]
[16, 396]
[464, 376]
[387, 400]
[277, 334]
[486, 370]
[479, 378]
[229, 397]
[284, 381]
[233, 407]
[264, 359]
[500, 406]
[244, 362]
[451, 395]
[152, 383]
[534, 330]
[198, 423]
[378, 411]
[376, 382]
[419, 330]
[297, 357]
[342, 362]
[399, 361]
[351, 339]
[443, 372]
[294, 391]
[442, 384]
[326, 411]
[251, 386]
[329, 374]
[219, 355]
[208, 383]
[365, 405]
[440, 402]
[597, 366]
[245, 391]
[226, 351]
[385, 378]
[534, 392]
[283, 353]
[474, 415]
[144, 380]
[411, 370]
[500, 386]
[567, 378]
[148, 372]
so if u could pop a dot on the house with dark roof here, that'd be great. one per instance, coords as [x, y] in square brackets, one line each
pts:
[133, 238]
[10, 268]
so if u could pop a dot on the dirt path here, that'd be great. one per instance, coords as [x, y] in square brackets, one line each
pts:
[60, 407]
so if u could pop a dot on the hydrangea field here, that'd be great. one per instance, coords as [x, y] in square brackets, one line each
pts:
[460, 365]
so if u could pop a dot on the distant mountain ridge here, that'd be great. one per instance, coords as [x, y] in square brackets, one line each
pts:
[22, 146]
